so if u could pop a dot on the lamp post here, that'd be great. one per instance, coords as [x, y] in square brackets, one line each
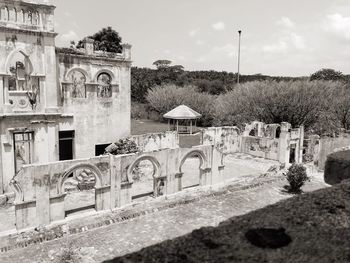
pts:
[239, 53]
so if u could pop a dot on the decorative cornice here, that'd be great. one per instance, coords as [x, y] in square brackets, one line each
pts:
[27, 31]
[118, 58]
[28, 4]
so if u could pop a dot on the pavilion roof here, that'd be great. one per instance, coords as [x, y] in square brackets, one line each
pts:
[182, 112]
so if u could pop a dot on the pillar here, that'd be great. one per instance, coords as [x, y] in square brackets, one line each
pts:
[127, 51]
[283, 145]
[51, 85]
[2, 93]
[299, 158]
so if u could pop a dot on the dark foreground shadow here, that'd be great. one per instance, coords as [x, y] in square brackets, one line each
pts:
[313, 227]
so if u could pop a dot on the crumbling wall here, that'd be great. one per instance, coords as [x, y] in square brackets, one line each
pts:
[328, 145]
[40, 189]
[318, 148]
[156, 141]
[227, 139]
[260, 147]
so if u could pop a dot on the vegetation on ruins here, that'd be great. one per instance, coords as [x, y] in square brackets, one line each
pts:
[107, 40]
[123, 146]
[296, 177]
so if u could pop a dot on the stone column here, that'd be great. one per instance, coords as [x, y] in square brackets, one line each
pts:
[7, 105]
[283, 153]
[299, 158]
[127, 51]
[2, 89]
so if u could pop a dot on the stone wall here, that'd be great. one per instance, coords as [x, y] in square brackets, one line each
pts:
[261, 147]
[271, 141]
[319, 148]
[40, 192]
[156, 141]
[228, 139]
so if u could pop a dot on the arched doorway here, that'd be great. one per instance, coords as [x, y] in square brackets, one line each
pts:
[145, 172]
[78, 184]
[191, 168]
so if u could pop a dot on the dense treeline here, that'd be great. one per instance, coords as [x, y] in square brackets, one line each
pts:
[323, 107]
[212, 82]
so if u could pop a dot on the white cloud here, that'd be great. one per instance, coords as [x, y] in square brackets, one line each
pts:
[200, 42]
[219, 26]
[339, 24]
[66, 13]
[297, 41]
[218, 53]
[193, 32]
[228, 50]
[281, 46]
[70, 36]
[286, 22]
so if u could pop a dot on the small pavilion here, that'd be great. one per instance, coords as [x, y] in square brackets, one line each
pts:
[182, 119]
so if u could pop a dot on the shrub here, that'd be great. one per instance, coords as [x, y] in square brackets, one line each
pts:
[164, 98]
[123, 146]
[296, 177]
[313, 104]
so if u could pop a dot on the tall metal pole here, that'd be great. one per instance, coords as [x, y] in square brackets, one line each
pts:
[239, 53]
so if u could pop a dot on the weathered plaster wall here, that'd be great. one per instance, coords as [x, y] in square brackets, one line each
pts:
[261, 147]
[40, 193]
[96, 120]
[228, 139]
[156, 141]
[271, 141]
[320, 148]
[45, 148]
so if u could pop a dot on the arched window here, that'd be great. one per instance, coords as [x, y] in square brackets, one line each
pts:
[78, 84]
[20, 17]
[104, 89]
[12, 15]
[35, 18]
[21, 68]
[4, 13]
[29, 18]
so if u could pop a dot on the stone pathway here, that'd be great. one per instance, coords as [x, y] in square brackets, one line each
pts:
[118, 239]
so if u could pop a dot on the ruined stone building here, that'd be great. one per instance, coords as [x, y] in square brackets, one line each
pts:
[55, 104]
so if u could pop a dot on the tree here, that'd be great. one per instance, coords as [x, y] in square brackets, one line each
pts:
[296, 102]
[327, 74]
[341, 105]
[107, 40]
[162, 63]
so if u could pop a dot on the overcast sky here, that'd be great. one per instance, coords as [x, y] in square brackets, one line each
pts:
[280, 37]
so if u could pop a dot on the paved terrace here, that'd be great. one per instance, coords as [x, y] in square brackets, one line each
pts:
[196, 208]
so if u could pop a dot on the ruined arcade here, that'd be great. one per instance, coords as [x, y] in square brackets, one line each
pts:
[52, 101]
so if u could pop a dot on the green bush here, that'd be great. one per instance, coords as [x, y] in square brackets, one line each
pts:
[296, 177]
[123, 146]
